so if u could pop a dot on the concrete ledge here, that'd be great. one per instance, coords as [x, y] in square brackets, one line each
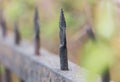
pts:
[45, 68]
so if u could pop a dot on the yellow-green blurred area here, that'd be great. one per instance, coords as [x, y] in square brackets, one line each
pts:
[101, 15]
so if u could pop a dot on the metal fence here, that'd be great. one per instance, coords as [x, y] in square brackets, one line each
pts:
[31, 63]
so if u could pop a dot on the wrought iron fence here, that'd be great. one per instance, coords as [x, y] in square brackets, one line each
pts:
[26, 76]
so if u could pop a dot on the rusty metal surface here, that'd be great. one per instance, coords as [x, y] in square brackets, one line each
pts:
[44, 68]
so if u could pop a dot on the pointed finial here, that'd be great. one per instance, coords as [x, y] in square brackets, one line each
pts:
[63, 43]
[36, 28]
[91, 34]
[17, 33]
[62, 19]
[36, 16]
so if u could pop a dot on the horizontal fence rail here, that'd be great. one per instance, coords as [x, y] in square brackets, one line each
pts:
[31, 68]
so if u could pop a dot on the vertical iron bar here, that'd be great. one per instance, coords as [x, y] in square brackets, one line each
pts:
[3, 24]
[7, 75]
[4, 28]
[63, 43]
[17, 34]
[36, 28]
[106, 76]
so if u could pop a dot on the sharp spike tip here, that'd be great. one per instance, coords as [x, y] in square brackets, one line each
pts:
[62, 19]
[36, 17]
[62, 10]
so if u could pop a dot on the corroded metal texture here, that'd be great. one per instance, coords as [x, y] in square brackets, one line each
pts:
[26, 67]
[36, 27]
[21, 61]
[63, 43]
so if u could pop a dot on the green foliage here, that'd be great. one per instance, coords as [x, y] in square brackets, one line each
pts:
[96, 57]
[1, 70]
[50, 28]
[104, 21]
[99, 54]
[26, 31]
[14, 10]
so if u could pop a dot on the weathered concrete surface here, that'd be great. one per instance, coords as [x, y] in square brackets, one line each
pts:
[44, 68]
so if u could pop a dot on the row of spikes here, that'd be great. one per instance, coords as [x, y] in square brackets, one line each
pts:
[62, 26]
[62, 35]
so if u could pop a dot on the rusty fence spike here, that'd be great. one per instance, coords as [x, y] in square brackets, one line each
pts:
[17, 33]
[36, 28]
[63, 43]
[91, 34]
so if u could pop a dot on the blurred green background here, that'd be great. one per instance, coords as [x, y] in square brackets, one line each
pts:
[102, 16]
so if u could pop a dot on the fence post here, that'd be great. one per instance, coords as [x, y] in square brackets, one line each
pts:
[63, 43]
